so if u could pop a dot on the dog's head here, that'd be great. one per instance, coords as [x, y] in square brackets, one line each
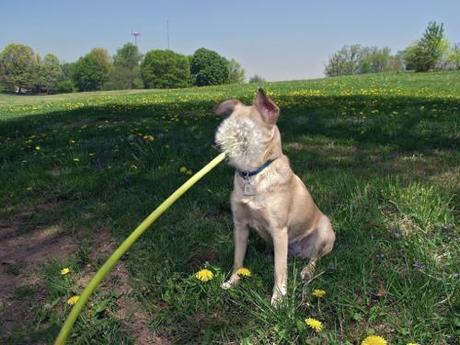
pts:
[249, 136]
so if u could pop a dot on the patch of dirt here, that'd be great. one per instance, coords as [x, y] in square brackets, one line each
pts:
[25, 246]
[129, 311]
[21, 253]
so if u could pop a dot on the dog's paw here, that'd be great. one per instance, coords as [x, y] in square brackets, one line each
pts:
[307, 273]
[278, 297]
[226, 285]
[234, 279]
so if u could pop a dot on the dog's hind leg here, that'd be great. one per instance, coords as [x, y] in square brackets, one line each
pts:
[316, 245]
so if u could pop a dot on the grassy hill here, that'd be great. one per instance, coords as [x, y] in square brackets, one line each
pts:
[379, 153]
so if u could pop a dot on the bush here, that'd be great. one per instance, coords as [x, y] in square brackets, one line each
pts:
[208, 68]
[256, 79]
[65, 86]
[165, 69]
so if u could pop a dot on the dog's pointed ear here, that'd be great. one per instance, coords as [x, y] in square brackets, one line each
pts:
[266, 107]
[226, 107]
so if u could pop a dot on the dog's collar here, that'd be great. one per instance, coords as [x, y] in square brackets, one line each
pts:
[247, 174]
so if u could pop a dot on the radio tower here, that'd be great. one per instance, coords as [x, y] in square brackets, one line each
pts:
[135, 34]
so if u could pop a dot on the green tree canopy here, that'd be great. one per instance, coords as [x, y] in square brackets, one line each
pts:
[426, 52]
[18, 67]
[127, 56]
[50, 73]
[126, 73]
[208, 68]
[356, 59]
[236, 73]
[454, 56]
[91, 71]
[165, 69]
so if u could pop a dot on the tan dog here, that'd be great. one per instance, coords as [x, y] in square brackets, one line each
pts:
[267, 195]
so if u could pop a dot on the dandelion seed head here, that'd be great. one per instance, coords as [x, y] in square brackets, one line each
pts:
[242, 140]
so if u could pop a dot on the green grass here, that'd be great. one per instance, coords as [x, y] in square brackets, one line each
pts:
[379, 153]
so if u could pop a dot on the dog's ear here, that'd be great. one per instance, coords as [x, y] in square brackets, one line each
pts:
[266, 107]
[226, 106]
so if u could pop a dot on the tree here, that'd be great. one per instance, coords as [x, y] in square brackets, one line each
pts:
[355, 59]
[91, 71]
[454, 56]
[18, 67]
[50, 73]
[208, 68]
[375, 60]
[423, 55]
[256, 79]
[236, 73]
[346, 61]
[165, 69]
[127, 56]
[126, 73]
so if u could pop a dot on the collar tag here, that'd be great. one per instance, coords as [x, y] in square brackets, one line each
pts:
[248, 188]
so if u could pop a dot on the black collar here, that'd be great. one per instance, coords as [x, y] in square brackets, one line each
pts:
[247, 174]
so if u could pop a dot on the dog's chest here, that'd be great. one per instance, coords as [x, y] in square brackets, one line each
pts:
[257, 215]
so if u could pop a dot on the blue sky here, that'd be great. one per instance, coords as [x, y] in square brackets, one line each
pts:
[280, 40]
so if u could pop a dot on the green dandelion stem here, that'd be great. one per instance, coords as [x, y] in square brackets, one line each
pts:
[124, 247]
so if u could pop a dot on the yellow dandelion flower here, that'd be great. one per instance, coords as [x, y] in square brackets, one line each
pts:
[189, 172]
[244, 272]
[65, 271]
[318, 293]
[204, 275]
[374, 340]
[314, 324]
[72, 300]
[183, 170]
[37, 148]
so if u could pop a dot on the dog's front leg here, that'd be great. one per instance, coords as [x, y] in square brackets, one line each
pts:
[240, 235]
[280, 244]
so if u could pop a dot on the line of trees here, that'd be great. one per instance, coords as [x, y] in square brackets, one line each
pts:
[24, 71]
[432, 51]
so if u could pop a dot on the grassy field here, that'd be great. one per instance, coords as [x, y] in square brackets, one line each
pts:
[379, 153]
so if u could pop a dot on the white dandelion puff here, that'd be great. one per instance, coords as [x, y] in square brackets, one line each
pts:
[243, 141]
